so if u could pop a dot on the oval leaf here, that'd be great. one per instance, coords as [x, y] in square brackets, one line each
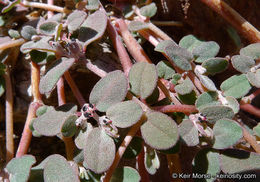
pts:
[207, 99]
[48, 27]
[163, 44]
[226, 133]
[109, 90]
[252, 50]
[215, 65]
[189, 42]
[28, 31]
[149, 10]
[207, 82]
[233, 103]
[254, 78]
[185, 87]
[256, 130]
[125, 114]
[165, 70]
[242, 63]
[99, 151]
[125, 174]
[189, 133]
[75, 19]
[205, 51]
[69, 127]
[151, 160]
[160, 131]
[143, 79]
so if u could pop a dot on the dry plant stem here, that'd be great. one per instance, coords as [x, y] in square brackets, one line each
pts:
[167, 23]
[9, 116]
[35, 76]
[250, 109]
[12, 43]
[44, 6]
[141, 167]
[176, 108]
[251, 140]
[234, 18]
[158, 32]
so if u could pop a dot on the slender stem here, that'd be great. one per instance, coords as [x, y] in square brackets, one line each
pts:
[45, 6]
[167, 23]
[9, 116]
[50, 13]
[35, 76]
[158, 32]
[12, 43]
[61, 92]
[176, 108]
[99, 72]
[141, 167]
[250, 109]
[251, 140]
[234, 18]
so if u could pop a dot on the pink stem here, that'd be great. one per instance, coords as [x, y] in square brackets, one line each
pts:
[176, 108]
[250, 109]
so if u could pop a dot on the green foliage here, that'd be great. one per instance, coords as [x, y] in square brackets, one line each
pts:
[28, 31]
[48, 27]
[149, 10]
[125, 174]
[151, 160]
[215, 65]
[185, 87]
[75, 19]
[257, 130]
[242, 63]
[252, 50]
[207, 99]
[10, 6]
[254, 78]
[165, 70]
[69, 127]
[188, 133]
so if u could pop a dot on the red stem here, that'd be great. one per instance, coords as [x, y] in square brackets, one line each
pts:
[141, 167]
[250, 109]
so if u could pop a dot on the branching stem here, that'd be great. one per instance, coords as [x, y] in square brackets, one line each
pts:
[45, 6]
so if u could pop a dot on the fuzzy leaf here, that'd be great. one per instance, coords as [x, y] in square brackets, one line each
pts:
[41, 45]
[207, 99]
[125, 174]
[92, 5]
[160, 131]
[109, 90]
[254, 78]
[236, 161]
[226, 133]
[48, 27]
[75, 19]
[137, 25]
[151, 160]
[215, 65]
[69, 127]
[28, 31]
[58, 169]
[50, 123]
[134, 148]
[207, 82]
[256, 130]
[163, 44]
[185, 87]
[125, 114]
[51, 77]
[14, 34]
[242, 63]
[206, 162]
[189, 133]
[189, 42]
[93, 28]
[99, 151]
[143, 79]
[233, 103]
[165, 70]
[81, 138]
[205, 51]
[189, 99]
[214, 113]
[149, 10]
[252, 50]
[236, 86]
[19, 168]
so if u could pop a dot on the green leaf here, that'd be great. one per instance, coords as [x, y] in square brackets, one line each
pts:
[205, 50]
[207, 82]
[134, 148]
[28, 31]
[160, 131]
[214, 113]
[81, 138]
[149, 10]
[109, 90]
[236, 161]
[236, 86]
[2, 21]
[41, 45]
[10, 6]
[125, 174]
[92, 5]
[189, 133]
[189, 42]
[226, 133]
[189, 99]
[51, 77]
[175, 78]
[233, 103]
[99, 151]
[252, 50]
[242, 63]
[185, 87]
[206, 162]
[93, 28]
[151, 160]
[19, 168]
[48, 27]
[75, 19]
[163, 44]
[125, 114]
[50, 123]
[137, 25]
[14, 34]
[69, 127]
[41, 110]
[165, 70]
[2, 85]
[256, 130]
[58, 169]
[254, 78]
[143, 79]
[207, 99]
[38, 56]
[215, 65]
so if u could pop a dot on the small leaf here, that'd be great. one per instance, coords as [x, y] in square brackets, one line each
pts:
[226, 133]
[50, 79]
[165, 70]
[160, 131]
[42, 45]
[175, 78]
[125, 174]
[189, 133]
[109, 90]
[242, 63]
[28, 31]
[252, 50]
[236, 86]
[69, 127]
[10, 6]
[189, 42]
[92, 5]
[2, 86]
[149, 10]
[134, 148]
[151, 160]
[206, 162]
[41, 110]
[163, 44]
[143, 79]
[254, 78]
[125, 114]
[19, 168]
[214, 113]
[50, 123]
[189, 99]
[14, 34]
[38, 56]
[215, 65]
[233, 103]
[236, 161]
[207, 99]
[137, 25]
[58, 169]
[93, 27]
[207, 82]
[81, 138]
[256, 130]
[75, 19]
[99, 151]
[185, 87]
[205, 51]
[48, 27]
